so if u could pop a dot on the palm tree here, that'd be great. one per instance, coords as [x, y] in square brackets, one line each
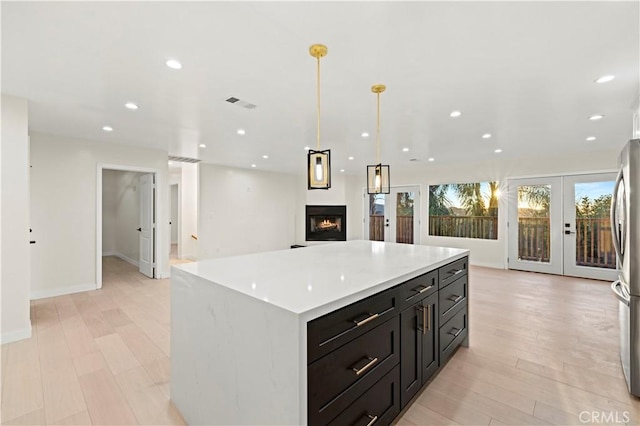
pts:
[439, 204]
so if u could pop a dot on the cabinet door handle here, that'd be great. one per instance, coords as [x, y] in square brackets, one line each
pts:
[456, 271]
[429, 317]
[371, 317]
[455, 298]
[367, 366]
[373, 419]
[459, 330]
[423, 289]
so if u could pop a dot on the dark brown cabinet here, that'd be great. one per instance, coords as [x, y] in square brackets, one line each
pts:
[366, 361]
[418, 346]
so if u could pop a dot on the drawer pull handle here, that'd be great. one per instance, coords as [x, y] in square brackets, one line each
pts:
[370, 364]
[456, 298]
[423, 289]
[373, 419]
[456, 271]
[457, 333]
[371, 317]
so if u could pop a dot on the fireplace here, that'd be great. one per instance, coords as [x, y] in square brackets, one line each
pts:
[326, 223]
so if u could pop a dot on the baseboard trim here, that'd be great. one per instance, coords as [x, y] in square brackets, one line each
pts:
[14, 336]
[127, 259]
[488, 265]
[60, 291]
[109, 253]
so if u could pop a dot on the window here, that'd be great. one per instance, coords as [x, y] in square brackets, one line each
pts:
[466, 210]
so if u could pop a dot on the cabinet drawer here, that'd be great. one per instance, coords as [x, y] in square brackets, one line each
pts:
[452, 271]
[418, 288]
[333, 330]
[451, 297]
[378, 406]
[336, 380]
[452, 334]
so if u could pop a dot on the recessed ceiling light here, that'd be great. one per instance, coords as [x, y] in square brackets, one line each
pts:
[253, 165]
[405, 149]
[455, 114]
[498, 151]
[107, 128]
[486, 136]
[172, 63]
[131, 105]
[431, 159]
[351, 158]
[365, 135]
[306, 148]
[605, 78]
[265, 156]
[591, 138]
[596, 117]
[202, 145]
[341, 170]
[241, 132]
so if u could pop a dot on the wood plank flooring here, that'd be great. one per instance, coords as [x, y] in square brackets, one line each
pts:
[544, 350]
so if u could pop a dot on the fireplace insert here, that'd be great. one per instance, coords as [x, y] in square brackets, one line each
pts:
[326, 223]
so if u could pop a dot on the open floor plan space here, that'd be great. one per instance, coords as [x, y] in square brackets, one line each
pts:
[543, 350]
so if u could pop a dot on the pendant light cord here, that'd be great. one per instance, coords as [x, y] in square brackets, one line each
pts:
[318, 97]
[378, 132]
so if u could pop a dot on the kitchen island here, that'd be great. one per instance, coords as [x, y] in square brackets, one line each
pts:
[260, 338]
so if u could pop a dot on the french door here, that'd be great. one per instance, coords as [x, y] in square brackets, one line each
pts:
[561, 225]
[393, 217]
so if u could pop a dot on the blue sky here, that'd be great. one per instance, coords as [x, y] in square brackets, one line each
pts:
[593, 189]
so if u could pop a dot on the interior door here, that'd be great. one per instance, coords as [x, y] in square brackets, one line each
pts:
[535, 217]
[146, 191]
[394, 217]
[588, 246]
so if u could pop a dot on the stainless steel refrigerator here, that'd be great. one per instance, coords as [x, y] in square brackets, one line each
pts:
[625, 227]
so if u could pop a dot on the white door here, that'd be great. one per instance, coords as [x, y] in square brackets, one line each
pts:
[393, 217]
[535, 217]
[146, 192]
[560, 225]
[588, 245]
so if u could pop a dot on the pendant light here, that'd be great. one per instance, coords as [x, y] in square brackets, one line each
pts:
[318, 162]
[378, 175]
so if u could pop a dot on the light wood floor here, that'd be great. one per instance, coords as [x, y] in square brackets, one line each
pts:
[544, 349]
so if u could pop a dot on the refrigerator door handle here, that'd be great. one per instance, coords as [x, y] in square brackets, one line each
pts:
[614, 225]
[621, 294]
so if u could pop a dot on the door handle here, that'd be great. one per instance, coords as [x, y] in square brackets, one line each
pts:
[568, 232]
[614, 226]
[139, 229]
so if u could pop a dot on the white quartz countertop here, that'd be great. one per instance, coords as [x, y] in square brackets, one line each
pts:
[322, 278]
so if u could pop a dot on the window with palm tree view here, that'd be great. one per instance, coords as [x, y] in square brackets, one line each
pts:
[466, 210]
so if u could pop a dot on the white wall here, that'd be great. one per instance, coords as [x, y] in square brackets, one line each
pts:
[189, 211]
[109, 211]
[63, 202]
[244, 211]
[121, 214]
[491, 253]
[15, 248]
[174, 218]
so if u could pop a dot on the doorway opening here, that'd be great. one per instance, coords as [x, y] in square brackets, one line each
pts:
[126, 211]
[174, 223]
[561, 225]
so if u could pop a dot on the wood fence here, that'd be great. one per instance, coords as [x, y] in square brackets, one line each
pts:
[404, 228]
[464, 226]
[594, 246]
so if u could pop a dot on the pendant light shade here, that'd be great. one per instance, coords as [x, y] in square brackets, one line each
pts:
[319, 166]
[378, 181]
[318, 162]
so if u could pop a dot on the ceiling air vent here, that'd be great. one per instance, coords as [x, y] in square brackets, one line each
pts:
[240, 102]
[183, 159]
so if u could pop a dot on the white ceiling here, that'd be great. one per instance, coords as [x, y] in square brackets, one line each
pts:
[521, 71]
